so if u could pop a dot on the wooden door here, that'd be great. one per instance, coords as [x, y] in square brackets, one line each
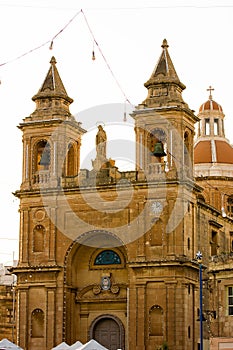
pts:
[107, 333]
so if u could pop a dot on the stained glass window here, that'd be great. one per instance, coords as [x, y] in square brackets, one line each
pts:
[107, 257]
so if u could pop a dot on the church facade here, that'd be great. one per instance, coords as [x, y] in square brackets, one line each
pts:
[110, 254]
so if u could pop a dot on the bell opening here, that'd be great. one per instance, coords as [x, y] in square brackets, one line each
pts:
[45, 158]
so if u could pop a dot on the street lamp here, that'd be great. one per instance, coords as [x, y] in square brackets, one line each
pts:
[199, 260]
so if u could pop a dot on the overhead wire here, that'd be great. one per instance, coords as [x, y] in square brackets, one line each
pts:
[62, 30]
[9, 239]
[104, 58]
[25, 53]
[51, 42]
[209, 6]
[45, 43]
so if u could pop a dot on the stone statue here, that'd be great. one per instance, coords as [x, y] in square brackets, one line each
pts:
[101, 139]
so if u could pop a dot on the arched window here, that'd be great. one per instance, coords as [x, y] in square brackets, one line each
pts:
[107, 257]
[37, 323]
[38, 238]
[186, 149]
[156, 320]
[230, 205]
[207, 126]
[42, 156]
[216, 127]
[214, 243]
[70, 160]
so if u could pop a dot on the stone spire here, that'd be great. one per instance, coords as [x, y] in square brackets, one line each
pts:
[164, 86]
[52, 94]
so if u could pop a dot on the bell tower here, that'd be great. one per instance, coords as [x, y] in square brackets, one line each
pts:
[164, 123]
[51, 153]
[51, 136]
[164, 128]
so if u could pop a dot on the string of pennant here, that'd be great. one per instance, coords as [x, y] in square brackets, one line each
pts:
[104, 58]
[62, 30]
[95, 43]
[42, 45]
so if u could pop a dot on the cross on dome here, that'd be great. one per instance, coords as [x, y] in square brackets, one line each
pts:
[210, 89]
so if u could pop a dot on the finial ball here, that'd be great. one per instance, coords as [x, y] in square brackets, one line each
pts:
[53, 60]
[164, 44]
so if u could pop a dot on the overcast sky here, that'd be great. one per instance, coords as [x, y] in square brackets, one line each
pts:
[129, 35]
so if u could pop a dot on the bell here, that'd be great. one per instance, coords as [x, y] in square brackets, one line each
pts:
[158, 150]
[45, 158]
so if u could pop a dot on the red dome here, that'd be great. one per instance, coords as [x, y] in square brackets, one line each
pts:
[210, 105]
[204, 153]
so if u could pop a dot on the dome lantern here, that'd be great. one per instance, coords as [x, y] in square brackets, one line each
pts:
[211, 146]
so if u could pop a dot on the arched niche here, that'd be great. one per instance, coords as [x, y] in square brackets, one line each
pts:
[38, 238]
[37, 323]
[156, 321]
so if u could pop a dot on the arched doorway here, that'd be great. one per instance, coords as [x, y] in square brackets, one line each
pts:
[108, 331]
[88, 299]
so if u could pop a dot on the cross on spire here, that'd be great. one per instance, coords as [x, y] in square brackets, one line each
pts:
[210, 89]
